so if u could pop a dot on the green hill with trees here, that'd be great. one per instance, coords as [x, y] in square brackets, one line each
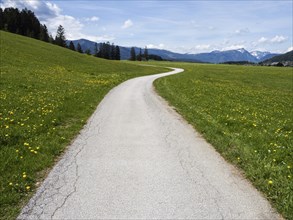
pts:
[283, 58]
[47, 94]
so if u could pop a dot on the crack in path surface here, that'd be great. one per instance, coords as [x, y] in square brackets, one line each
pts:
[138, 159]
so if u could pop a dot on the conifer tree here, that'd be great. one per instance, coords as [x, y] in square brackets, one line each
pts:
[44, 36]
[117, 53]
[146, 54]
[96, 50]
[79, 49]
[71, 46]
[139, 55]
[112, 52]
[51, 39]
[132, 54]
[1, 19]
[88, 51]
[60, 37]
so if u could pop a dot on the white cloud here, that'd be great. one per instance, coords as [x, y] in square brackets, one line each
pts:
[32, 4]
[289, 49]
[196, 49]
[242, 31]
[95, 38]
[51, 15]
[53, 7]
[127, 24]
[203, 47]
[233, 47]
[73, 29]
[71, 25]
[94, 18]
[275, 40]
[278, 39]
[160, 46]
[263, 40]
[10, 3]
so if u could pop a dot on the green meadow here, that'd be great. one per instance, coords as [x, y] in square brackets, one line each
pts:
[245, 112]
[47, 95]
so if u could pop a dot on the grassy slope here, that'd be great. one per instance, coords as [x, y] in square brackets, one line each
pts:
[47, 94]
[246, 113]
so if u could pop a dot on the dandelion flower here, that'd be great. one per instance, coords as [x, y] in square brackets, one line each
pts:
[270, 182]
[10, 184]
[27, 187]
[24, 176]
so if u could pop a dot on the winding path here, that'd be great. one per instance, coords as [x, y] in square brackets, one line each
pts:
[138, 159]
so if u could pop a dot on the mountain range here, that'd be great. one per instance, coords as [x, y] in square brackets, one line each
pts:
[211, 57]
[286, 59]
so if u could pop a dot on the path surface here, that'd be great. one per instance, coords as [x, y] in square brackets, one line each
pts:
[137, 159]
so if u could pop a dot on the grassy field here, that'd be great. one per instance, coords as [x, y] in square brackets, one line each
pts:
[47, 95]
[246, 113]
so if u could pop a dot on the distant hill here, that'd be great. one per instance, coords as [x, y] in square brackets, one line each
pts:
[281, 58]
[240, 55]
[226, 56]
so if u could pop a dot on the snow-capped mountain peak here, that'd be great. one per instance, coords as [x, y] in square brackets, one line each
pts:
[242, 50]
[259, 54]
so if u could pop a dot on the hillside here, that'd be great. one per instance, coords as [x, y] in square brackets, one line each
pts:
[281, 58]
[47, 95]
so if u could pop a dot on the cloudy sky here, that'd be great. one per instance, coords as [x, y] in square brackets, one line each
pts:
[181, 26]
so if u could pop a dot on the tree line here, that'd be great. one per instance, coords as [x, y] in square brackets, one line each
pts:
[25, 23]
[140, 56]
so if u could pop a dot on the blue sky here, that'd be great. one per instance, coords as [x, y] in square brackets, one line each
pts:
[180, 26]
